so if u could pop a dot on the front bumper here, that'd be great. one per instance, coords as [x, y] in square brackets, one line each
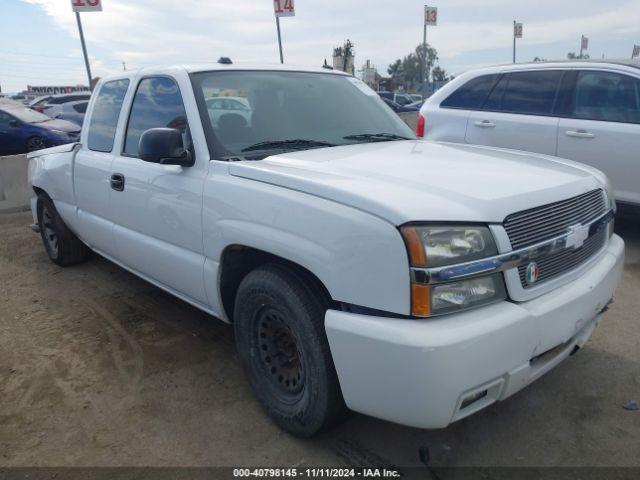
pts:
[427, 372]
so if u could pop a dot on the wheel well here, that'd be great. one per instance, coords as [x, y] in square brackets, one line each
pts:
[39, 191]
[238, 260]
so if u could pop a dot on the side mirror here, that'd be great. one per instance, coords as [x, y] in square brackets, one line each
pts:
[164, 146]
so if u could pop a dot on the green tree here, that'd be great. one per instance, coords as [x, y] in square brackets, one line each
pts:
[411, 66]
[439, 74]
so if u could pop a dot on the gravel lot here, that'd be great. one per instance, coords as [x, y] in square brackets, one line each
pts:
[98, 367]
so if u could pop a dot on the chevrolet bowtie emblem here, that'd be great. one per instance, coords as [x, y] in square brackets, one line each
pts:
[576, 236]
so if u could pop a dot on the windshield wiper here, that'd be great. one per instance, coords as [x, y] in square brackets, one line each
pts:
[376, 137]
[296, 144]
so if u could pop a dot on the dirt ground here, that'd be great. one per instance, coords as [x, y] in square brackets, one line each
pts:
[99, 368]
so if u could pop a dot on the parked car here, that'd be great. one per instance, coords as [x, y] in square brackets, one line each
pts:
[229, 107]
[396, 107]
[25, 130]
[399, 98]
[587, 111]
[412, 281]
[72, 111]
[415, 97]
[54, 106]
[38, 103]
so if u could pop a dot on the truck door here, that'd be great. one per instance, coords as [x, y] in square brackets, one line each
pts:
[92, 167]
[518, 113]
[157, 209]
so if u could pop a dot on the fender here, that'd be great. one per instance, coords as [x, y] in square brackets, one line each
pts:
[335, 242]
[51, 170]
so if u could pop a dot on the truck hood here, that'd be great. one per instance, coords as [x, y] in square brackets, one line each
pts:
[406, 181]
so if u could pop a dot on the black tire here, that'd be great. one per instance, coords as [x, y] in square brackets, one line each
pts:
[281, 341]
[35, 143]
[61, 244]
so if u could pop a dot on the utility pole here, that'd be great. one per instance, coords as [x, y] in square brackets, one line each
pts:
[84, 48]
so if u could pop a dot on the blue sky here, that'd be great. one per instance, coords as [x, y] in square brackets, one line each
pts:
[39, 43]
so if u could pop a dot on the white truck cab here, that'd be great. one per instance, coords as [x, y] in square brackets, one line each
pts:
[413, 281]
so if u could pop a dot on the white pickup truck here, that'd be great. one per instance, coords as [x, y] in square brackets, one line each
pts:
[413, 281]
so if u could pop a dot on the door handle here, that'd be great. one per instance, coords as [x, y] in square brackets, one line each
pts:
[579, 134]
[117, 182]
[484, 124]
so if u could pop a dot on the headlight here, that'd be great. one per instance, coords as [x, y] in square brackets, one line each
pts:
[431, 246]
[439, 245]
[448, 297]
[60, 133]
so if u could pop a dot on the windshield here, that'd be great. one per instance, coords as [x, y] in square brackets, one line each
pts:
[28, 116]
[259, 112]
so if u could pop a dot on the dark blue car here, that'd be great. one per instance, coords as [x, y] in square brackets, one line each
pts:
[24, 130]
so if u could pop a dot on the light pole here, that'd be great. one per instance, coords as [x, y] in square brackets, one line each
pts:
[430, 18]
[514, 41]
[84, 48]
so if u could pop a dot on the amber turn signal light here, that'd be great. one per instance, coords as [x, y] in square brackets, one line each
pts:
[417, 256]
[420, 300]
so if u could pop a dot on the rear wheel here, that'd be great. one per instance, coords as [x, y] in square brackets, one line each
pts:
[280, 336]
[62, 246]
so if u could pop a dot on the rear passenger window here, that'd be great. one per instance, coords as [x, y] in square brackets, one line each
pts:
[609, 97]
[104, 117]
[531, 93]
[157, 104]
[472, 94]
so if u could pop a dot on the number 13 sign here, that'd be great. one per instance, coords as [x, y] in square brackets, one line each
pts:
[284, 8]
[86, 5]
[430, 15]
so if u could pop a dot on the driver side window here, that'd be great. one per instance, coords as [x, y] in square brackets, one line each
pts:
[157, 104]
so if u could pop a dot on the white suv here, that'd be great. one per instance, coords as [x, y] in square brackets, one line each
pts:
[583, 111]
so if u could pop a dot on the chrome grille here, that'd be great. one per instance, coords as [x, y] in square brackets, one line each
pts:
[563, 261]
[548, 221]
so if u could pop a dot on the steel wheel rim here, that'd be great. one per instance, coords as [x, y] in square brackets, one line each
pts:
[280, 356]
[35, 143]
[49, 232]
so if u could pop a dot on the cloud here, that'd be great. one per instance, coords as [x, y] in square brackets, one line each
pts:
[147, 32]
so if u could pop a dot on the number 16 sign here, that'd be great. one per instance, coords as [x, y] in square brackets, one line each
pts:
[284, 8]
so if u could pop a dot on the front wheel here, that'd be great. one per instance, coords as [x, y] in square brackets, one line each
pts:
[62, 246]
[280, 336]
[35, 143]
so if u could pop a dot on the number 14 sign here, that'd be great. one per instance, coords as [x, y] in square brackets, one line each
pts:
[284, 8]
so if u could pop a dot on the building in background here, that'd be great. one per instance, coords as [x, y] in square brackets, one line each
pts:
[55, 90]
[344, 58]
[370, 75]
